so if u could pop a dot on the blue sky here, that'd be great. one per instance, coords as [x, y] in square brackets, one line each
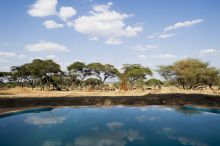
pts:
[148, 32]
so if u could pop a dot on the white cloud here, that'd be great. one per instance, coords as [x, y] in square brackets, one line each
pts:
[164, 36]
[100, 22]
[113, 138]
[43, 46]
[183, 24]
[209, 52]
[141, 47]
[166, 31]
[43, 8]
[142, 56]
[44, 121]
[106, 23]
[114, 125]
[7, 54]
[133, 31]
[188, 141]
[51, 57]
[134, 135]
[66, 12]
[50, 24]
[113, 41]
[163, 56]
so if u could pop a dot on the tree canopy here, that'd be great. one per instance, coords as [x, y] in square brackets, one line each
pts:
[135, 73]
[190, 73]
[186, 74]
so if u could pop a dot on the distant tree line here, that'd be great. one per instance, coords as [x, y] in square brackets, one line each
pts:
[47, 75]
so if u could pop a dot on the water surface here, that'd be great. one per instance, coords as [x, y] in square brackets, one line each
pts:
[112, 126]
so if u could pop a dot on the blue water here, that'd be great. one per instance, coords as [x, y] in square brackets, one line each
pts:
[112, 126]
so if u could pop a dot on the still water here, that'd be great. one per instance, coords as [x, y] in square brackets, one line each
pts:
[112, 126]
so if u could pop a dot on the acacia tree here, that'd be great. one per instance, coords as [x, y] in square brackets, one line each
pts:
[78, 71]
[154, 82]
[103, 72]
[190, 74]
[92, 83]
[38, 70]
[135, 74]
[21, 74]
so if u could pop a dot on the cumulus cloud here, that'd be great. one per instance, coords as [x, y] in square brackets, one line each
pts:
[100, 22]
[44, 121]
[183, 24]
[163, 56]
[141, 47]
[66, 13]
[7, 54]
[114, 138]
[50, 24]
[133, 135]
[188, 141]
[43, 46]
[43, 8]
[113, 41]
[106, 23]
[209, 52]
[114, 125]
[133, 31]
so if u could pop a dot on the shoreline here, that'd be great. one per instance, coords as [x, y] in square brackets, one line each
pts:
[174, 99]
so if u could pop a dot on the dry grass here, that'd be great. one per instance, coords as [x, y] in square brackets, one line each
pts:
[28, 92]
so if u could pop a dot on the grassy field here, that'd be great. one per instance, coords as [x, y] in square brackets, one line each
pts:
[28, 92]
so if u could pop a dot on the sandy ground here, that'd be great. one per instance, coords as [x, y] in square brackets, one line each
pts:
[28, 92]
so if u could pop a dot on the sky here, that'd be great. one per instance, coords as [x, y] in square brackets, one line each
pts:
[146, 32]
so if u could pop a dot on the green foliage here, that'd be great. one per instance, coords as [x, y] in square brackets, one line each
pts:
[92, 82]
[103, 72]
[78, 71]
[153, 82]
[186, 73]
[116, 85]
[38, 71]
[135, 73]
[190, 73]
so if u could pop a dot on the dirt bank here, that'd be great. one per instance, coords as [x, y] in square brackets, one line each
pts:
[150, 99]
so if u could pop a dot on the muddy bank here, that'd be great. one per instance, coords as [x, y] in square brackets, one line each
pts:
[151, 99]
